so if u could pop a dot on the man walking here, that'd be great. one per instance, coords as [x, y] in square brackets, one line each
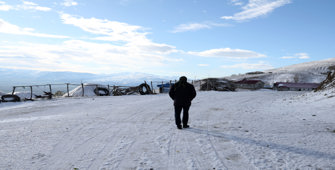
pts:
[182, 93]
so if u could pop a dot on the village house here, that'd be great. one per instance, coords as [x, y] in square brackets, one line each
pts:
[217, 84]
[249, 84]
[286, 86]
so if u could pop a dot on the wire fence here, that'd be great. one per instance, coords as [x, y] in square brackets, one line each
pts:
[48, 91]
[66, 89]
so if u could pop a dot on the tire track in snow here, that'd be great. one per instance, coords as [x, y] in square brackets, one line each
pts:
[165, 142]
[116, 156]
[84, 141]
[254, 154]
[193, 163]
[80, 147]
[215, 157]
[172, 151]
[216, 150]
[120, 150]
[125, 157]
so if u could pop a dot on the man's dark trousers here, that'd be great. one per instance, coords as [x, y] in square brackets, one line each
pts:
[177, 110]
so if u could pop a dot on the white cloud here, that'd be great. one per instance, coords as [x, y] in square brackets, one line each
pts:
[26, 5]
[229, 53]
[257, 8]
[249, 66]
[113, 30]
[288, 57]
[69, 3]
[81, 56]
[203, 65]
[197, 26]
[302, 55]
[132, 35]
[135, 53]
[117, 47]
[237, 2]
[190, 27]
[8, 28]
[297, 56]
[4, 6]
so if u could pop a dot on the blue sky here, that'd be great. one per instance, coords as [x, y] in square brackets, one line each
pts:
[196, 38]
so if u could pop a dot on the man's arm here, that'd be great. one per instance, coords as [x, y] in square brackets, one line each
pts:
[172, 92]
[193, 92]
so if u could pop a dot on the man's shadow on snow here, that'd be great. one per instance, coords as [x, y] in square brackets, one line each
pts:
[270, 145]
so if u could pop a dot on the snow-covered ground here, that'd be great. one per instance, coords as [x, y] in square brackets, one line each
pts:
[229, 130]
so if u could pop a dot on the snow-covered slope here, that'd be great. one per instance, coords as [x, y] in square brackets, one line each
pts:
[314, 66]
[230, 130]
[309, 72]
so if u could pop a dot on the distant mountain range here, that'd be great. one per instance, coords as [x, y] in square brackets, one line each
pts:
[308, 72]
[17, 77]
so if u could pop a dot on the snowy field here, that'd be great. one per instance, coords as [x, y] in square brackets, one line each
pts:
[229, 130]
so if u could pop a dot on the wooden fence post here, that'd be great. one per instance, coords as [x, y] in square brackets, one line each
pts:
[152, 87]
[31, 92]
[82, 87]
[50, 89]
[13, 90]
[67, 88]
[162, 88]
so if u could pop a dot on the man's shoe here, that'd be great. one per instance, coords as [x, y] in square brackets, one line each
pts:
[186, 126]
[179, 127]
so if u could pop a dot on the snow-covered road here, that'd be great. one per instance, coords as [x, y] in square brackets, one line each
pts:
[229, 130]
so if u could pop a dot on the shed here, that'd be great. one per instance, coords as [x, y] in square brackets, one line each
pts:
[164, 88]
[217, 84]
[250, 84]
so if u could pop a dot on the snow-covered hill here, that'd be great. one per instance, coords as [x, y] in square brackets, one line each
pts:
[309, 72]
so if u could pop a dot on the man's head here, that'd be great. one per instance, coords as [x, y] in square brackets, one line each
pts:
[183, 79]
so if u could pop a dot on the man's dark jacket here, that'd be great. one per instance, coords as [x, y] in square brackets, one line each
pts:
[182, 93]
